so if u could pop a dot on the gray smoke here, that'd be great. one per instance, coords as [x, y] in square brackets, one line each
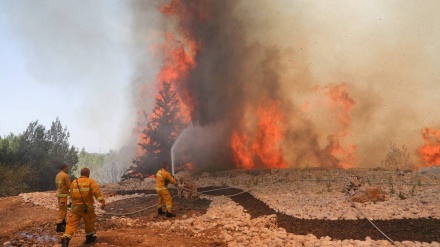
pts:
[385, 52]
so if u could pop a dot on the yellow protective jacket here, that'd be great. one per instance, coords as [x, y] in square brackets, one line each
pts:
[62, 182]
[88, 189]
[161, 176]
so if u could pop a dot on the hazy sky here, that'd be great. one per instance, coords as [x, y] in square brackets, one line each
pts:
[67, 59]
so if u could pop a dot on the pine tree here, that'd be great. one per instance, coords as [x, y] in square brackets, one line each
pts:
[159, 135]
[43, 151]
[59, 152]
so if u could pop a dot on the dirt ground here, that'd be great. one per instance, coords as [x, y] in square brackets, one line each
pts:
[27, 225]
[19, 217]
[24, 224]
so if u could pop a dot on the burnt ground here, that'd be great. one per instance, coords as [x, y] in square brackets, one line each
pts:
[134, 208]
[423, 230]
[29, 225]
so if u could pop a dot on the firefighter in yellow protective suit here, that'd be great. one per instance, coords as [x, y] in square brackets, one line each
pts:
[162, 179]
[82, 191]
[62, 182]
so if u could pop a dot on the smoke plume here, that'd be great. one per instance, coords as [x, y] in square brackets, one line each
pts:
[263, 60]
[265, 84]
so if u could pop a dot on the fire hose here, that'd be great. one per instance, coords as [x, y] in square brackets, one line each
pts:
[352, 203]
[201, 193]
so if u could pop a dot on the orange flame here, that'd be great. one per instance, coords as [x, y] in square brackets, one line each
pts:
[340, 100]
[430, 152]
[177, 62]
[178, 58]
[263, 148]
[340, 105]
[189, 166]
[180, 53]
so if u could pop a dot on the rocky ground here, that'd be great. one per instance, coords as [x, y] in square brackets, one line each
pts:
[263, 208]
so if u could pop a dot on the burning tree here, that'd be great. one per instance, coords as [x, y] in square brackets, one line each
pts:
[237, 86]
[158, 135]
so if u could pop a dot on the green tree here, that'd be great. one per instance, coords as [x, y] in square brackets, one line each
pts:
[93, 161]
[113, 167]
[58, 153]
[34, 146]
[45, 151]
[159, 135]
[31, 160]
[8, 149]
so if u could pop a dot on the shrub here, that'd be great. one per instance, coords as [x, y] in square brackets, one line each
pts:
[392, 191]
[224, 183]
[413, 190]
[402, 196]
[397, 158]
[14, 180]
[318, 179]
[255, 182]
[329, 185]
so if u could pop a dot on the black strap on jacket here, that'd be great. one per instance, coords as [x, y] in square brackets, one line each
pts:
[84, 206]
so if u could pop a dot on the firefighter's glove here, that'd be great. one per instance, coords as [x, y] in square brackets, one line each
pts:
[102, 206]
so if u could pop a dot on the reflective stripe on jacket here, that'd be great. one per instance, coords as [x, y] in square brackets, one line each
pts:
[88, 188]
[62, 182]
[161, 176]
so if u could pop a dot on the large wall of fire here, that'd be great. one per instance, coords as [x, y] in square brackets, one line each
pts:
[275, 85]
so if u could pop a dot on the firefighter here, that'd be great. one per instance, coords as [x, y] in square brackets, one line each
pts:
[163, 177]
[82, 191]
[62, 182]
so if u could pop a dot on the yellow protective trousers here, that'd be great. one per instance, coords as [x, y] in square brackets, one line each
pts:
[75, 215]
[62, 209]
[165, 198]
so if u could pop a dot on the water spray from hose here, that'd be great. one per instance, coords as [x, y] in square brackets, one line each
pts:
[172, 158]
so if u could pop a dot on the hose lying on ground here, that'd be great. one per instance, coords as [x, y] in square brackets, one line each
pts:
[202, 193]
[352, 203]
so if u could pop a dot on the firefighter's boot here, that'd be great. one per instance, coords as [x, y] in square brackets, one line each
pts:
[160, 212]
[61, 227]
[170, 215]
[65, 242]
[90, 239]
